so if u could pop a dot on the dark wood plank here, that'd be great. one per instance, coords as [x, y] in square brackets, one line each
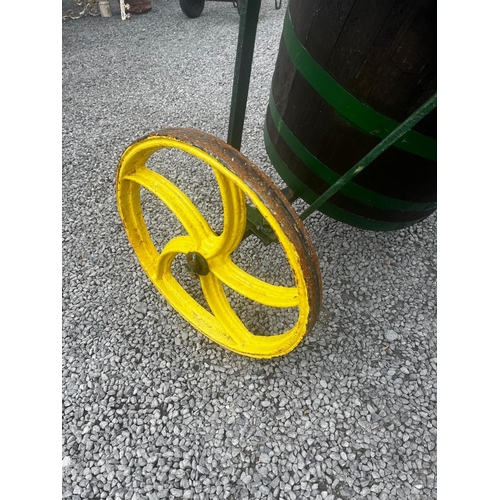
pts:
[384, 46]
[398, 90]
[356, 39]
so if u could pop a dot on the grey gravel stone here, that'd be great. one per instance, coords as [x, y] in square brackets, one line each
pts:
[150, 406]
[141, 307]
[391, 335]
[347, 493]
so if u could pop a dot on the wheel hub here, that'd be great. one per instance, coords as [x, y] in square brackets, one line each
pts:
[196, 264]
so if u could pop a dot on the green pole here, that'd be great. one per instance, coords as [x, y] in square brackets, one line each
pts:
[398, 132]
[249, 18]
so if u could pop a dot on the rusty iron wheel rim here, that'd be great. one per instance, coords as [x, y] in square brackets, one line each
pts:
[237, 177]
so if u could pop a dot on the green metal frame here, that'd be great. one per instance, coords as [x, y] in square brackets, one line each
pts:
[249, 17]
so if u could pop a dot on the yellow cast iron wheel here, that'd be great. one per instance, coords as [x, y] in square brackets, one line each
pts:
[236, 177]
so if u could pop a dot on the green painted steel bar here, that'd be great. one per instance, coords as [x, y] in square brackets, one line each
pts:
[249, 18]
[351, 108]
[321, 170]
[398, 132]
[310, 196]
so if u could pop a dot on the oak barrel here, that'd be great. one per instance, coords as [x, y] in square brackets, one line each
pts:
[347, 73]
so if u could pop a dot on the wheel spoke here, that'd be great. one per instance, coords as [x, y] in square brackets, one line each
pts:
[180, 244]
[222, 310]
[181, 206]
[254, 289]
[235, 214]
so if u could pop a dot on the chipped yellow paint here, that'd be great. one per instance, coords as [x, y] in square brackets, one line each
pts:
[222, 325]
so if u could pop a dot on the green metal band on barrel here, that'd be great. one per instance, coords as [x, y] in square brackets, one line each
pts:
[361, 115]
[330, 210]
[321, 170]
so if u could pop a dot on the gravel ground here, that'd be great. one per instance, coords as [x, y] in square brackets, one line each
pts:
[151, 408]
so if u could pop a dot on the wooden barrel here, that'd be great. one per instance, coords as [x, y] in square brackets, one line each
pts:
[347, 73]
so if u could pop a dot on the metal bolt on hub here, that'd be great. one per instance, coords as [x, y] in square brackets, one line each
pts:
[196, 264]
